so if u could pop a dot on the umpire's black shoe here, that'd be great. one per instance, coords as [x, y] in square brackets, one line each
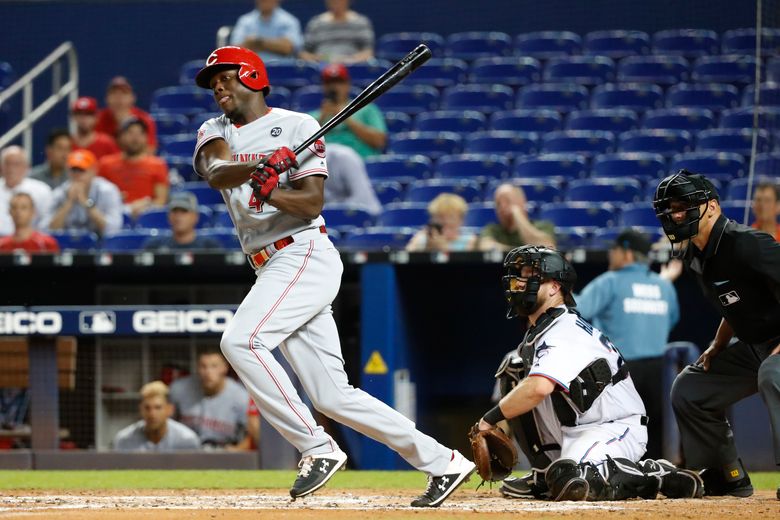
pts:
[315, 471]
[715, 485]
[439, 488]
[524, 487]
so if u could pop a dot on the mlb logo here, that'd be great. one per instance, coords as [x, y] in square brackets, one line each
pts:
[729, 298]
[97, 322]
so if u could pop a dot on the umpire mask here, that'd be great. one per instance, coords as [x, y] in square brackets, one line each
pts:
[687, 191]
[525, 269]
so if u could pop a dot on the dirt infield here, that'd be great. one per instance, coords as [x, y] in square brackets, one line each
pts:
[357, 504]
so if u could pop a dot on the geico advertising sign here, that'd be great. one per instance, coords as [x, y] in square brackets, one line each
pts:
[24, 322]
[193, 321]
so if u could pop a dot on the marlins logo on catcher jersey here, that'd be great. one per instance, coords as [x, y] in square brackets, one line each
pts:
[261, 224]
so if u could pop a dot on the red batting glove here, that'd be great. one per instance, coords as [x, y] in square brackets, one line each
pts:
[265, 178]
[281, 160]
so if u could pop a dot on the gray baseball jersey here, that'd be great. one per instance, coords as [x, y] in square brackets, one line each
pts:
[177, 437]
[219, 419]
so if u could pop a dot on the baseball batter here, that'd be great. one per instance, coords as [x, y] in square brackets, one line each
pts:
[275, 200]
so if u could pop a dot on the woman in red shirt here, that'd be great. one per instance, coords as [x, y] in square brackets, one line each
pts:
[26, 238]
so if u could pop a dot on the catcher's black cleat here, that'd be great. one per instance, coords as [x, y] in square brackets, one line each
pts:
[524, 488]
[439, 488]
[675, 482]
[315, 471]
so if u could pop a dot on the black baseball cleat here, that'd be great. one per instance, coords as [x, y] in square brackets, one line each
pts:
[675, 482]
[439, 488]
[524, 487]
[315, 471]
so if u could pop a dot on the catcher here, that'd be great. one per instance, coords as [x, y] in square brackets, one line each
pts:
[569, 400]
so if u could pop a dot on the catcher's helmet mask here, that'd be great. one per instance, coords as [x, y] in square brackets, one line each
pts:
[526, 268]
[683, 191]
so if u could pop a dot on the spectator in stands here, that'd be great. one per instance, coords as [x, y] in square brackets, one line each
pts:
[212, 404]
[514, 228]
[54, 170]
[365, 131]
[348, 182]
[15, 168]
[25, 237]
[766, 208]
[183, 217]
[156, 431]
[120, 105]
[636, 308]
[86, 202]
[338, 35]
[84, 115]
[268, 30]
[444, 232]
[142, 178]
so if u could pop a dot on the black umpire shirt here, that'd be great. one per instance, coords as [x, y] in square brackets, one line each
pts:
[739, 272]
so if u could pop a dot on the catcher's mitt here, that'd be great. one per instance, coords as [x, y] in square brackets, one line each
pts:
[494, 453]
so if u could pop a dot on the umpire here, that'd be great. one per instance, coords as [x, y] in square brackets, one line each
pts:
[738, 269]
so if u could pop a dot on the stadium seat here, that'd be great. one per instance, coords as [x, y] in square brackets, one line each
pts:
[768, 118]
[728, 140]
[713, 96]
[536, 189]
[604, 239]
[78, 241]
[172, 124]
[768, 164]
[410, 99]
[158, 219]
[221, 219]
[735, 210]
[475, 44]
[188, 71]
[617, 44]
[280, 97]
[345, 217]
[738, 188]
[609, 119]
[130, 240]
[578, 214]
[480, 214]
[183, 100]
[480, 167]
[403, 214]
[664, 142]
[388, 191]
[205, 194]
[773, 70]
[743, 41]
[523, 120]
[483, 98]
[725, 69]
[292, 74]
[460, 121]
[397, 122]
[584, 142]
[427, 190]
[197, 121]
[432, 144]
[662, 70]
[502, 141]
[632, 96]
[377, 239]
[309, 98]
[226, 236]
[573, 237]
[679, 118]
[544, 45]
[364, 72]
[604, 190]
[394, 46]
[689, 43]
[559, 97]
[402, 168]
[554, 166]
[640, 214]
[722, 166]
[769, 94]
[440, 73]
[181, 145]
[643, 166]
[581, 70]
[514, 72]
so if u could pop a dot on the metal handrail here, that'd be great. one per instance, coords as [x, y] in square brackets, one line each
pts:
[59, 90]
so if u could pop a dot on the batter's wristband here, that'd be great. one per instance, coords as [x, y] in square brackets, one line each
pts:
[494, 416]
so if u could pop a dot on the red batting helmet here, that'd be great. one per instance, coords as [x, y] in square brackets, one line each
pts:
[251, 69]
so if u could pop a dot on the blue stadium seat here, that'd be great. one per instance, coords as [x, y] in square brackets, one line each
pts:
[738, 188]
[432, 144]
[725, 69]
[735, 210]
[221, 219]
[308, 99]
[526, 120]
[608, 189]
[183, 100]
[639, 214]
[480, 214]
[377, 239]
[769, 94]
[79, 241]
[394, 46]
[484, 98]
[440, 73]
[768, 118]
[130, 240]
[280, 97]
[180, 166]
[578, 214]
[226, 236]
[583, 142]
[171, 124]
[773, 70]
[617, 44]
[292, 74]
[664, 142]
[388, 191]
[536, 189]
[604, 239]
[632, 96]
[690, 43]
[426, 191]
[662, 70]
[609, 119]
[714, 96]
[743, 41]
[543, 45]
[158, 219]
[768, 164]
[403, 168]
[475, 44]
[514, 72]
[480, 167]
[188, 71]
[7, 75]
[345, 217]
[397, 121]
[582, 70]
[410, 99]
[502, 141]
[573, 237]
[404, 214]
[363, 73]
[630, 165]
[560, 166]
[722, 166]
[197, 121]
[181, 145]
[728, 140]
[560, 97]
[460, 121]
[679, 118]
[205, 194]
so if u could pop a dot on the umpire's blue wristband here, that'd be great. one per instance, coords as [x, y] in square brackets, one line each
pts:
[494, 416]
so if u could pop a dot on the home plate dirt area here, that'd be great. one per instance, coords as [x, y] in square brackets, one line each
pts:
[354, 504]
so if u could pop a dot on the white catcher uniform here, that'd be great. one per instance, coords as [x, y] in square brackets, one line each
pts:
[289, 306]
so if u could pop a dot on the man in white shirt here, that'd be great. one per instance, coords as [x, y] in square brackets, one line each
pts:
[15, 168]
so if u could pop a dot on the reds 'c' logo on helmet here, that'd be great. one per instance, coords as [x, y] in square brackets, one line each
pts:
[251, 69]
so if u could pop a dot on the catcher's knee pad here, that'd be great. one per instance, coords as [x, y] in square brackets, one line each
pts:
[569, 480]
[627, 479]
[675, 482]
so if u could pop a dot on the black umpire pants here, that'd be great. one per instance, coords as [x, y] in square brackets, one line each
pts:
[646, 373]
[700, 400]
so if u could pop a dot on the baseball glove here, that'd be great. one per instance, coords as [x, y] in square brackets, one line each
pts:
[494, 453]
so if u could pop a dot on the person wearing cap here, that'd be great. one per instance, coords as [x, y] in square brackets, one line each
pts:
[637, 309]
[269, 30]
[738, 270]
[15, 170]
[183, 217]
[120, 105]
[366, 131]
[142, 178]
[53, 171]
[86, 202]
[84, 115]
[25, 236]
[339, 34]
